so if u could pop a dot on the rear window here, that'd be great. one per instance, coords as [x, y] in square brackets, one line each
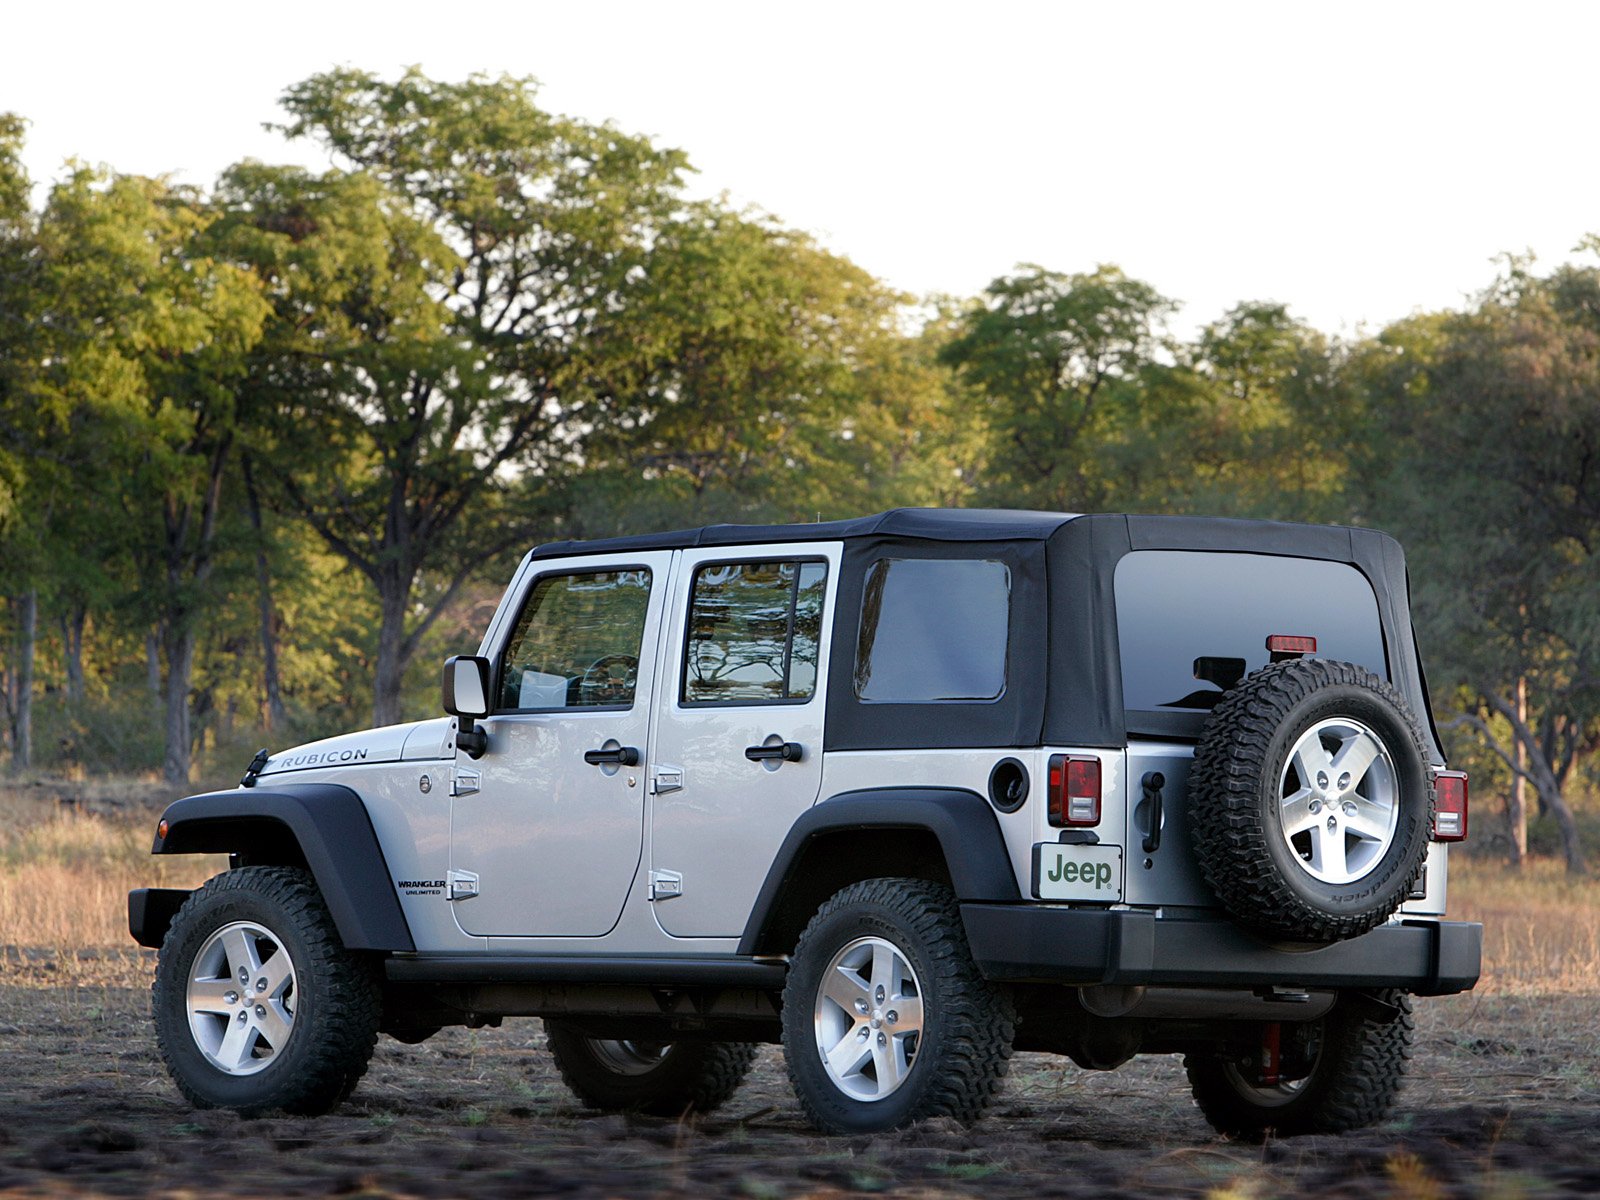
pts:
[1190, 623]
[933, 630]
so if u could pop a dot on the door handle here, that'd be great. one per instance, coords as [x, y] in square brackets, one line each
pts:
[619, 756]
[781, 752]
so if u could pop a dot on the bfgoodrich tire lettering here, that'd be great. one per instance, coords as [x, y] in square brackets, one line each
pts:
[1267, 793]
[905, 938]
[1363, 1046]
[311, 1011]
[665, 1079]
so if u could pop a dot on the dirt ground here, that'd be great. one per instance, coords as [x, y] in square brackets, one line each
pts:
[1503, 1101]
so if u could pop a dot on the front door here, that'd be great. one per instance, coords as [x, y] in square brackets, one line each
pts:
[548, 826]
[738, 745]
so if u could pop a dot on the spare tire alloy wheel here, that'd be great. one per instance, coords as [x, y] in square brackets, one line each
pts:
[1340, 800]
[1311, 801]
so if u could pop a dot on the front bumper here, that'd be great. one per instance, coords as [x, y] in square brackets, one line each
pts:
[1021, 943]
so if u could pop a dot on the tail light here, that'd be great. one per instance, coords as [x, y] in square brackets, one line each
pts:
[1450, 806]
[1074, 789]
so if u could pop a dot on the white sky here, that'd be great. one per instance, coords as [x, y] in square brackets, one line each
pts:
[1356, 160]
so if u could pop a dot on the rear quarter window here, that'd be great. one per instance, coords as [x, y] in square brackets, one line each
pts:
[1186, 620]
[933, 631]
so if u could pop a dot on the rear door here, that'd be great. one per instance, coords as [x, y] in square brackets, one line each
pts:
[737, 752]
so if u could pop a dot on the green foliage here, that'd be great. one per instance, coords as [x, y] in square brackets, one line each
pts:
[1068, 367]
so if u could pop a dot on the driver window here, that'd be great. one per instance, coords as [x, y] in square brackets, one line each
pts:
[576, 644]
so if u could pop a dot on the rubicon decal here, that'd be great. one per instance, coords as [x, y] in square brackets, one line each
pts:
[319, 758]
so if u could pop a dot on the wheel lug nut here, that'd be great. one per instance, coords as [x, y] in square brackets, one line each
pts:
[1333, 822]
[861, 1007]
[891, 1017]
[879, 994]
[1316, 807]
[243, 1016]
[1344, 781]
[261, 985]
[1322, 779]
[260, 1011]
[232, 997]
[882, 1040]
[1349, 808]
[864, 1034]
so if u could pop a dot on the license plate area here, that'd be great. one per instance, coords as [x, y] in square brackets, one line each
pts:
[1073, 872]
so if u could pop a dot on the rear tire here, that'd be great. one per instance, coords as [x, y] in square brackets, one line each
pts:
[1361, 1050]
[664, 1079]
[886, 1018]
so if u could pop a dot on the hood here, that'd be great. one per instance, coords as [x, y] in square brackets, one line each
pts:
[391, 743]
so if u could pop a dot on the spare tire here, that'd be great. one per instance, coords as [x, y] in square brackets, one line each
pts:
[1311, 801]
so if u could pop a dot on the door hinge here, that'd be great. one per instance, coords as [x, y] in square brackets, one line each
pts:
[465, 781]
[463, 884]
[666, 779]
[664, 885]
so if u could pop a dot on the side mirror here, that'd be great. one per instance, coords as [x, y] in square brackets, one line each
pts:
[466, 697]
[466, 686]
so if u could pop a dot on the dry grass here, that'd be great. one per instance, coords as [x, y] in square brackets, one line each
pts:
[1541, 928]
[69, 858]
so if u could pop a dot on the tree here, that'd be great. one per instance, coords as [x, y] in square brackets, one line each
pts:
[1269, 424]
[1065, 363]
[442, 293]
[146, 345]
[779, 385]
[1496, 485]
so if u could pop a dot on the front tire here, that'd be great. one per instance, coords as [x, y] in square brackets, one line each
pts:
[664, 1079]
[886, 1019]
[1354, 1063]
[258, 1006]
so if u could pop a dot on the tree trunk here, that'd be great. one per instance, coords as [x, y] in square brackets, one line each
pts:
[72, 625]
[393, 658]
[22, 701]
[180, 645]
[276, 718]
[1517, 802]
[1544, 782]
[152, 667]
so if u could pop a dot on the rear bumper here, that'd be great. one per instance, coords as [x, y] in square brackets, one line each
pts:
[1034, 943]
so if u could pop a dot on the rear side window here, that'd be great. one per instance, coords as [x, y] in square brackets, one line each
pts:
[933, 630]
[755, 632]
[1191, 623]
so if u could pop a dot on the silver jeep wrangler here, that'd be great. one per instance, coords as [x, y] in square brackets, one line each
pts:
[903, 793]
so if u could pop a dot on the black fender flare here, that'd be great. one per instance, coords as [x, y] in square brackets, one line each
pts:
[329, 826]
[962, 822]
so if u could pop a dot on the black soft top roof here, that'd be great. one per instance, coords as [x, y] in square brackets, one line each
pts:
[932, 524]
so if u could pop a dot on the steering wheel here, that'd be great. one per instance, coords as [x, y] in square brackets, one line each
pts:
[609, 679]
